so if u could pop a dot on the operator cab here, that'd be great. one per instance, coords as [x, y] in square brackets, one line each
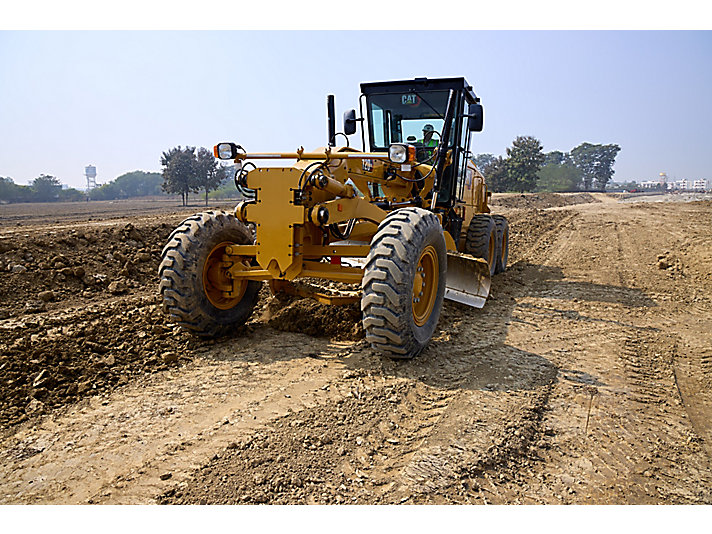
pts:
[413, 112]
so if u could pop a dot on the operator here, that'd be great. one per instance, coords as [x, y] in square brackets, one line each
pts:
[428, 142]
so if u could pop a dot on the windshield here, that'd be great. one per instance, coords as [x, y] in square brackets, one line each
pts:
[407, 118]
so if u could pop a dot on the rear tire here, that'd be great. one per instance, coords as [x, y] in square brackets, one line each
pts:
[404, 282]
[481, 240]
[502, 242]
[188, 270]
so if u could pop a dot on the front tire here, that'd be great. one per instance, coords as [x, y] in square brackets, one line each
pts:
[193, 281]
[404, 282]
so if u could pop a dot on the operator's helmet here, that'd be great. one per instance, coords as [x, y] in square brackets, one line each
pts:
[428, 128]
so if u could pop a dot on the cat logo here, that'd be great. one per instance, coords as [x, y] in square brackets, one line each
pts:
[410, 100]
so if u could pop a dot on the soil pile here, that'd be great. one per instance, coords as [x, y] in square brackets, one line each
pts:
[542, 200]
[50, 361]
[48, 271]
[315, 319]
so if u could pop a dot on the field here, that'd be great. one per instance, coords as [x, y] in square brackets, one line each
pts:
[586, 378]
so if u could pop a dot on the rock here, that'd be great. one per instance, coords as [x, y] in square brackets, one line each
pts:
[35, 407]
[41, 379]
[663, 264]
[67, 271]
[16, 269]
[118, 256]
[117, 287]
[40, 393]
[78, 272]
[34, 306]
[46, 296]
[6, 246]
[169, 357]
[132, 233]
[144, 257]
[109, 360]
[166, 476]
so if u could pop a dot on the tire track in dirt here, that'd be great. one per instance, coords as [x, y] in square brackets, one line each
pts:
[470, 402]
[116, 448]
[632, 440]
[562, 389]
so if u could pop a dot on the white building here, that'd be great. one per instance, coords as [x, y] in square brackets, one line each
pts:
[699, 185]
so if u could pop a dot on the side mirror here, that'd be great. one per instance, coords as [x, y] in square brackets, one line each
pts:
[350, 122]
[476, 117]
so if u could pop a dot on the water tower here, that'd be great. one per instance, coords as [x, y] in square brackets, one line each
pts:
[663, 180]
[90, 173]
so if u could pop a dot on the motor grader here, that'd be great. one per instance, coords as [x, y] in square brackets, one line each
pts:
[406, 218]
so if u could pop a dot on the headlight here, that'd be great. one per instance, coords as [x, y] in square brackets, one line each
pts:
[225, 150]
[398, 153]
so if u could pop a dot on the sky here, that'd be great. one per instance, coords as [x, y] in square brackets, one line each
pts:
[118, 99]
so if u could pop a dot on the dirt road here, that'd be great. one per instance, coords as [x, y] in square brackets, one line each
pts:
[585, 379]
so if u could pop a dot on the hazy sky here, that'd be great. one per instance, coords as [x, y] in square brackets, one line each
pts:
[118, 99]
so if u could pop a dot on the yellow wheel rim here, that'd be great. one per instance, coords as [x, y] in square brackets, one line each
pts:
[221, 290]
[425, 285]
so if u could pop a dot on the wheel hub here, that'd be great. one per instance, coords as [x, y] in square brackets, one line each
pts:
[425, 285]
[222, 291]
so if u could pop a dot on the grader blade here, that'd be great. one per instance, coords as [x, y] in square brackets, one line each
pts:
[468, 280]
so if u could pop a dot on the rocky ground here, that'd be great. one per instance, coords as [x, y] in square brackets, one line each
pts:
[585, 378]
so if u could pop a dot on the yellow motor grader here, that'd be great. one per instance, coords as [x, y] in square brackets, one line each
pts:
[406, 218]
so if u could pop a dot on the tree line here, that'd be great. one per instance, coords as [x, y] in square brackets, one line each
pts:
[44, 188]
[527, 167]
[185, 170]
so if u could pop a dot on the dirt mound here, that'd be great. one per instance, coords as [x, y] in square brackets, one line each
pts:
[315, 319]
[303, 459]
[50, 270]
[528, 227]
[341, 453]
[541, 200]
[52, 360]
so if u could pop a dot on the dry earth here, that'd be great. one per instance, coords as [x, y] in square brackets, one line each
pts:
[585, 379]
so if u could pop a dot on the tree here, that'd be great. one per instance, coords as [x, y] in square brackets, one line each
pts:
[558, 177]
[496, 176]
[46, 188]
[209, 173]
[130, 184]
[71, 195]
[9, 191]
[179, 171]
[556, 157]
[596, 163]
[482, 160]
[524, 159]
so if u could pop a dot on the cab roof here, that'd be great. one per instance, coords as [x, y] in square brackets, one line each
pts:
[421, 84]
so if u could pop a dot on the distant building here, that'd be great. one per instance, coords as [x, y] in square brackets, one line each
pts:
[699, 185]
